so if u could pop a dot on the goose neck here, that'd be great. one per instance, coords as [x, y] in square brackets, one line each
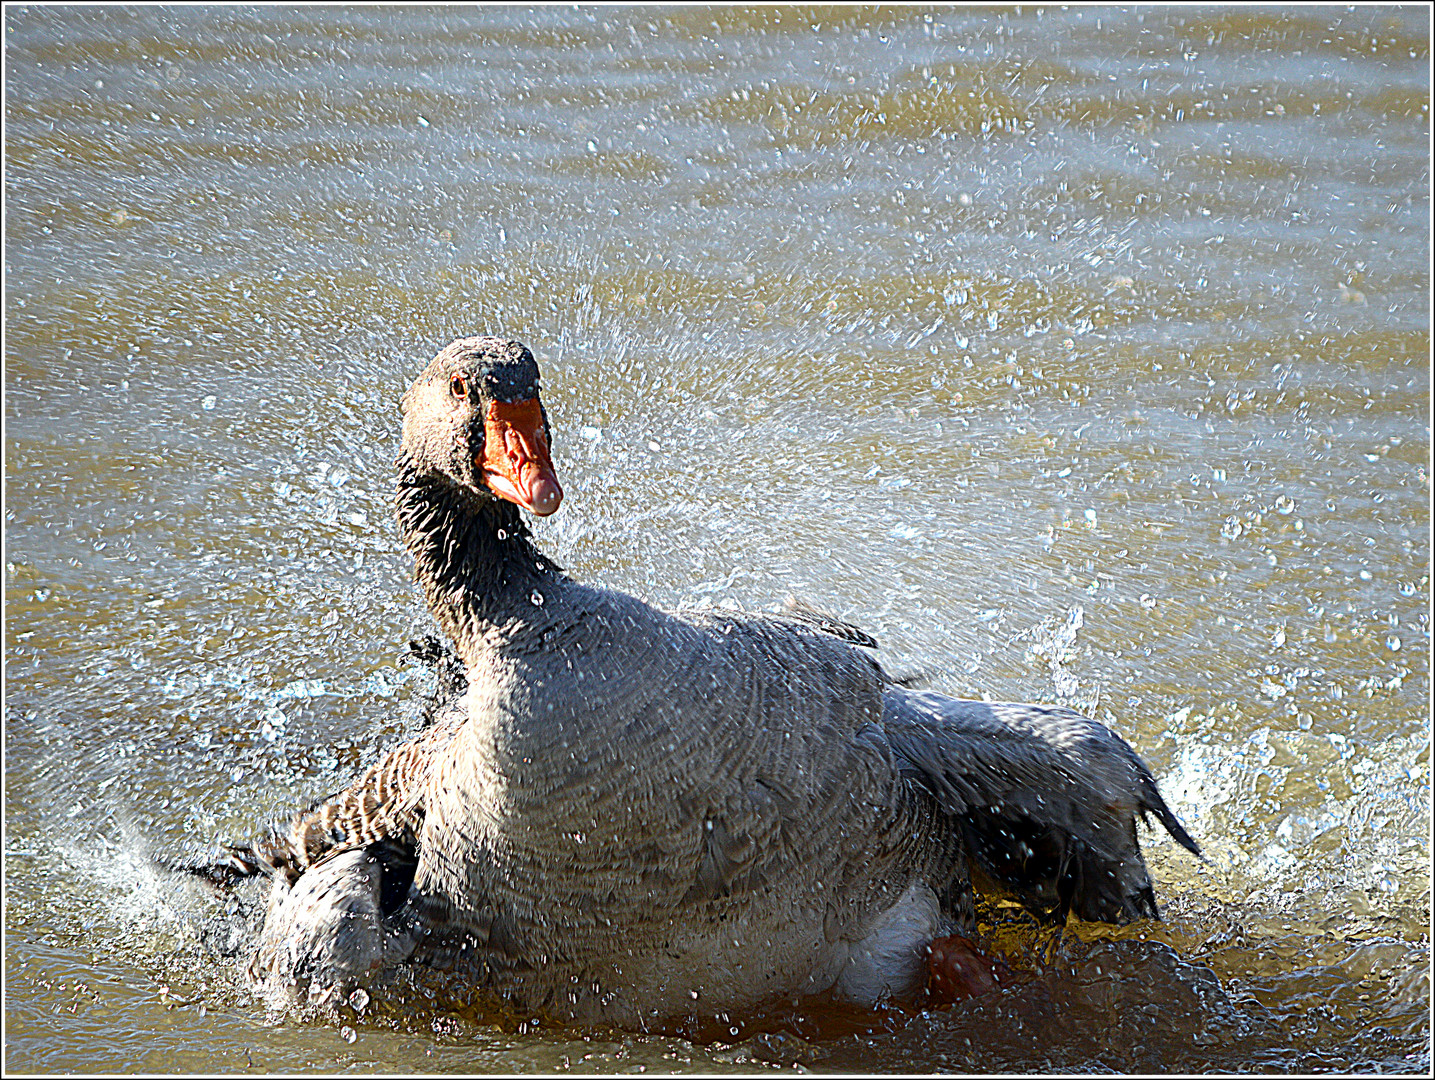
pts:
[474, 557]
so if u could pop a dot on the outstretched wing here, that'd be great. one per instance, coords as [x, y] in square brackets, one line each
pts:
[1047, 799]
[382, 810]
[383, 806]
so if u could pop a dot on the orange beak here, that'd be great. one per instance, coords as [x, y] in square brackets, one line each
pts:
[515, 463]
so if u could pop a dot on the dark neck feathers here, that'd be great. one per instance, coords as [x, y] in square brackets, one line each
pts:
[475, 560]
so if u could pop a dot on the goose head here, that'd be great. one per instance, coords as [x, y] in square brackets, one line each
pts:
[474, 417]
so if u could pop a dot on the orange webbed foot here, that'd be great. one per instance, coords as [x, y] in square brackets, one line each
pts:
[957, 969]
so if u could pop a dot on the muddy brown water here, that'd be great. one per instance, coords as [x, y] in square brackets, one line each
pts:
[1080, 356]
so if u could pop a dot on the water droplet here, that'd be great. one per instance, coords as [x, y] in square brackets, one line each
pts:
[537, 598]
[1284, 504]
[359, 999]
[1148, 601]
[1272, 690]
[348, 1034]
[503, 534]
[1392, 643]
[1365, 575]
[208, 402]
[1279, 638]
[1407, 588]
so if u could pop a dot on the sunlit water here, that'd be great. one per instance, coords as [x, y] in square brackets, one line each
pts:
[1079, 356]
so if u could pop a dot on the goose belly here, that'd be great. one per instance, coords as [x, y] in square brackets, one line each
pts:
[729, 959]
[629, 909]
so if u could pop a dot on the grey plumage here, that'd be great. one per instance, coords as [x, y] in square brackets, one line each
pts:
[632, 813]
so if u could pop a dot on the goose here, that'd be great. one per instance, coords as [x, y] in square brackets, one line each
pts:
[633, 814]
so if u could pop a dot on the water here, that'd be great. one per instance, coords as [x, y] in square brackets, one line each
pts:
[1079, 356]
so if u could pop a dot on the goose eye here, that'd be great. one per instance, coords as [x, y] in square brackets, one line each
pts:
[458, 386]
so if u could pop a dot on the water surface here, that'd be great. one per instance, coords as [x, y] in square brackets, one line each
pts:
[1080, 356]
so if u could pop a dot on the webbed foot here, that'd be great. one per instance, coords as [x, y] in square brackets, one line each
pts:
[958, 969]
